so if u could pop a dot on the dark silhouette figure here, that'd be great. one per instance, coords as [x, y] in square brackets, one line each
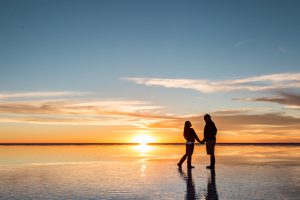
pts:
[190, 185]
[212, 193]
[190, 136]
[210, 132]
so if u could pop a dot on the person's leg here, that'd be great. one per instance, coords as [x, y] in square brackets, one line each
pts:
[190, 153]
[182, 160]
[189, 161]
[207, 144]
[212, 160]
[211, 152]
[184, 156]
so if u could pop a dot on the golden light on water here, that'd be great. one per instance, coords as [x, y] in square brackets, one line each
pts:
[143, 149]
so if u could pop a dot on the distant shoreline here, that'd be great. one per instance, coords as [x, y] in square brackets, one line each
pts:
[99, 144]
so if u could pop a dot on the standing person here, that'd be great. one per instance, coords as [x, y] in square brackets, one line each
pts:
[190, 136]
[210, 132]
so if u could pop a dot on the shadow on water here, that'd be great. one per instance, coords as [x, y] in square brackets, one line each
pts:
[190, 185]
[211, 193]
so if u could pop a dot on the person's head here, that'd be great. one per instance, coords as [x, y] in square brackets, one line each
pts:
[207, 117]
[187, 126]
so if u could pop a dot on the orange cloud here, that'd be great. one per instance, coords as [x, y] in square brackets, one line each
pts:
[117, 119]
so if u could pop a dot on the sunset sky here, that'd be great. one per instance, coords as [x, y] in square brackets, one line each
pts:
[111, 71]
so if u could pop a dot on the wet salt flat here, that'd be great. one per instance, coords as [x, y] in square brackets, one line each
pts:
[148, 172]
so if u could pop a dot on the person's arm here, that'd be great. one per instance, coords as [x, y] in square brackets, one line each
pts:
[195, 136]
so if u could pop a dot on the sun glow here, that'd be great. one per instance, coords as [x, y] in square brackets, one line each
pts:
[143, 139]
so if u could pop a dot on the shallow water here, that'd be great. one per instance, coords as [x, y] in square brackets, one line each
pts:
[148, 172]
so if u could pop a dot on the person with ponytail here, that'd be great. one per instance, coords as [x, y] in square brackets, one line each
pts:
[190, 136]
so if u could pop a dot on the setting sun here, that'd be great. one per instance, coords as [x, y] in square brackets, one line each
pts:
[143, 139]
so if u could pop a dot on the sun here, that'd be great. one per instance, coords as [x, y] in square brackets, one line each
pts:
[143, 139]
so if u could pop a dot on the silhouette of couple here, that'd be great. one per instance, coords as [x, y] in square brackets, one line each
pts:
[210, 132]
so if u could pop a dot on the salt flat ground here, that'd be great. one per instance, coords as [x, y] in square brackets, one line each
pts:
[148, 172]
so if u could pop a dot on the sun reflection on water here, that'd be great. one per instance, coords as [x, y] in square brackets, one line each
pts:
[143, 170]
[143, 149]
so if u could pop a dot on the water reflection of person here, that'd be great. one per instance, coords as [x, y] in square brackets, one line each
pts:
[212, 193]
[190, 185]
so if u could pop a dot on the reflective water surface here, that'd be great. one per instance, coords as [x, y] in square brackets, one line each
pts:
[148, 172]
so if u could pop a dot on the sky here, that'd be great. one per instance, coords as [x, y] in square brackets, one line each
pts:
[113, 71]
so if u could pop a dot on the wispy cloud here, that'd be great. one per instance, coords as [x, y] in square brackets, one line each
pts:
[282, 49]
[232, 125]
[240, 121]
[288, 99]
[255, 83]
[76, 107]
[235, 111]
[275, 127]
[100, 112]
[54, 108]
[240, 124]
[99, 120]
[293, 107]
[7, 95]
[243, 42]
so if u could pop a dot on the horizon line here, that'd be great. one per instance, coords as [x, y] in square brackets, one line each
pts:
[124, 143]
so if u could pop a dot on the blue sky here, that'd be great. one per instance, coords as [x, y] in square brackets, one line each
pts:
[91, 46]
